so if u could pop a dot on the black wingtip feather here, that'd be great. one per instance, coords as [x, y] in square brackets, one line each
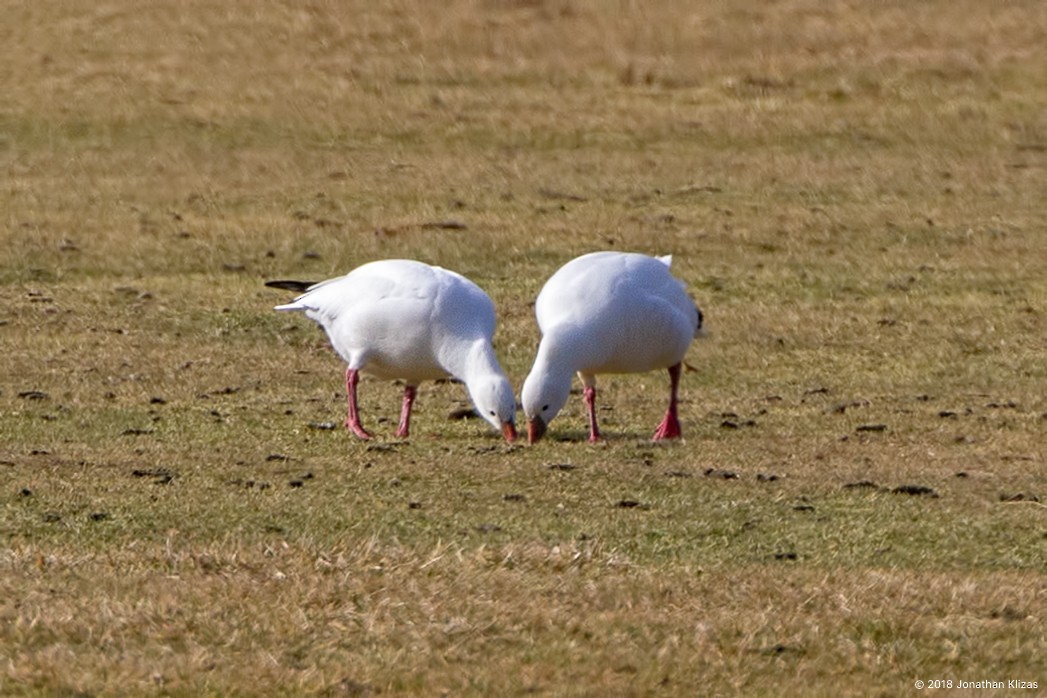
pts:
[288, 285]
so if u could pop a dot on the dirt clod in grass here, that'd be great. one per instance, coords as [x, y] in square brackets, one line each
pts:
[1019, 497]
[276, 457]
[779, 649]
[461, 413]
[161, 476]
[871, 428]
[767, 477]
[787, 555]
[1008, 405]
[33, 395]
[445, 225]
[679, 473]
[1009, 613]
[916, 491]
[721, 474]
[632, 504]
[562, 466]
[842, 407]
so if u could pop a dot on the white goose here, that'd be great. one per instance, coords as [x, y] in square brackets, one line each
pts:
[401, 319]
[608, 312]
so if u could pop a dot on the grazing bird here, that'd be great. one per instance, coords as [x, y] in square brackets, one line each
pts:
[401, 319]
[608, 312]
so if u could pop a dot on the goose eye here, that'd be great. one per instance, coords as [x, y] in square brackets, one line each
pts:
[545, 407]
[491, 413]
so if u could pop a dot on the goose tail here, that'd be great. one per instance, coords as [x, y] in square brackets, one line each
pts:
[290, 285]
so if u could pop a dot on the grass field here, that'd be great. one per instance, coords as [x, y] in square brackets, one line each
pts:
[855, 193]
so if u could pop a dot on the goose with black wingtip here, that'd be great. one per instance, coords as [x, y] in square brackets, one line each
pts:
[405, 320]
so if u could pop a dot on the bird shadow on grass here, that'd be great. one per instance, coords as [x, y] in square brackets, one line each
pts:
[610, 438]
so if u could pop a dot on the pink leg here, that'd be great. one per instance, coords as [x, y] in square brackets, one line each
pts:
[405, 412]
[670, 426]
[352, 421]
[590, 403]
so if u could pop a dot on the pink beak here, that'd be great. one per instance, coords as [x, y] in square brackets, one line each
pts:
[509, 431]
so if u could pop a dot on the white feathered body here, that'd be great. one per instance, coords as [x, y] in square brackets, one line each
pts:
[612, 312]
[605, 312]
[406, 320]
[401, 319]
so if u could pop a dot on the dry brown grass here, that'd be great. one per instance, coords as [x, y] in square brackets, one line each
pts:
[853, 191]
[429, 621]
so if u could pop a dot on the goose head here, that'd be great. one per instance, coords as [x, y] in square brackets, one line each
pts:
[544, 394]
[493, 397]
